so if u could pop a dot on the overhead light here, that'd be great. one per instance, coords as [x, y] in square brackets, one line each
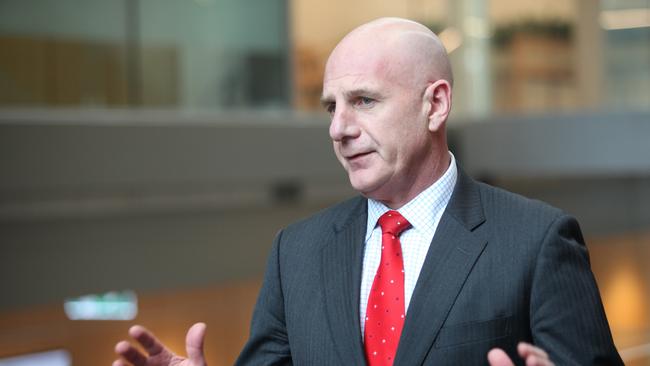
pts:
[625, 18]
[109, 306]
[451, 39]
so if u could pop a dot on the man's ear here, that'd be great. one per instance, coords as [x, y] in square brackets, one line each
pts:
[438, 98]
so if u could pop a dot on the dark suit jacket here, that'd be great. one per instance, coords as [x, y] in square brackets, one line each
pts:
[501, 269]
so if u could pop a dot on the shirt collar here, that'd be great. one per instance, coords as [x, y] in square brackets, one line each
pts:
[422, 210]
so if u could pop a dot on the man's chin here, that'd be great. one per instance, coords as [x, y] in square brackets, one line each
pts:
[364, 187]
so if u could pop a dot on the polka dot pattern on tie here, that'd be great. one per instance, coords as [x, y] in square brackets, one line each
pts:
[385, 310]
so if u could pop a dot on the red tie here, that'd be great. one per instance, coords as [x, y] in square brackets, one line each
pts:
[385, 311]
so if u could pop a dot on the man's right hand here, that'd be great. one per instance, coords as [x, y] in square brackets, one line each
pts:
[533, 356]
[159, 355]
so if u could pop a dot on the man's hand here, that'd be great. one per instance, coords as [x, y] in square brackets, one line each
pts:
[534, 356]
[157, 353]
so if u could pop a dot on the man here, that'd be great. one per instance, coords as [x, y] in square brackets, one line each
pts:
[428, 267]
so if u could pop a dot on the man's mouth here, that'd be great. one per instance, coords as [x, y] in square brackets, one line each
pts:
[358, 156]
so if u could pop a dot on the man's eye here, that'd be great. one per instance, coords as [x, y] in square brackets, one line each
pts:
[331, 108]
[365, 101]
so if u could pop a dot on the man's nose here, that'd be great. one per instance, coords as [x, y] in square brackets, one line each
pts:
[343, 125]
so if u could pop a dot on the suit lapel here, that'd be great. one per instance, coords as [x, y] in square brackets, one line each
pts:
[341, 274]
[451, 257]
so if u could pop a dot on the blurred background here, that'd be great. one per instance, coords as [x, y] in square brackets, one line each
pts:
[151, 149]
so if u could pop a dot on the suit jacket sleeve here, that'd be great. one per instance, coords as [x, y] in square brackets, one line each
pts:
[566, 313]
[268, 343]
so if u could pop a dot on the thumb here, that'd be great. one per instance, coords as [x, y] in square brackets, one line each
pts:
[497, 357]
[194, 344]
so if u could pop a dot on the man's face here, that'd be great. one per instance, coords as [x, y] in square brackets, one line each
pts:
[379, 124]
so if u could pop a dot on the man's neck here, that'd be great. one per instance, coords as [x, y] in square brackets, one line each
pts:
[397, 200]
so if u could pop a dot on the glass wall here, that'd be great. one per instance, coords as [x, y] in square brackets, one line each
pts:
[626, 55]
[199, 54]
[509, 57]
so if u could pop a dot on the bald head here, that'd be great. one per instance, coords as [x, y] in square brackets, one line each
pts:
[403, 50]
[387, 87]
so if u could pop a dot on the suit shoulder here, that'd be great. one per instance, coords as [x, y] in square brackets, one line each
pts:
[500, 202]
[518, 224]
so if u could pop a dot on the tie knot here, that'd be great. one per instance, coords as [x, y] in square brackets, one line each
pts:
[394, 223]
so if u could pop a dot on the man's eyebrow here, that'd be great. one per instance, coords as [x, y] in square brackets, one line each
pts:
[362, 92]
[326, 100]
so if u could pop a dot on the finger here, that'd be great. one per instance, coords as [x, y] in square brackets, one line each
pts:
[497, 357]
[194, 343]
[538, 361]
[130, 353]
[149, 342]
[526, 350]
[119, 363]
